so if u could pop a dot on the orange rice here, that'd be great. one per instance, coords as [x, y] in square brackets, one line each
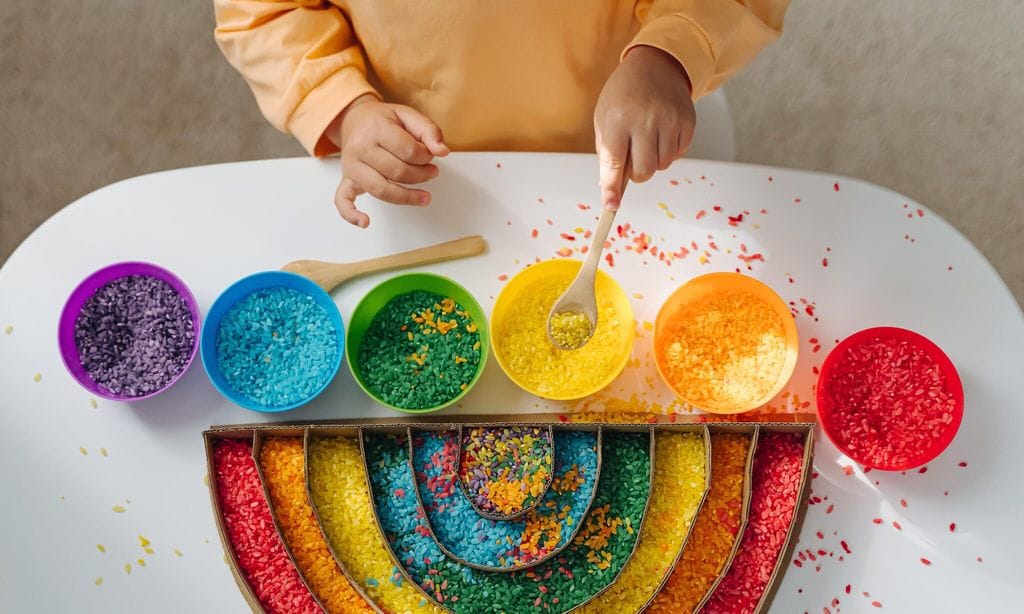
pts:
[714, 532]
[722, 352]
[283, 464]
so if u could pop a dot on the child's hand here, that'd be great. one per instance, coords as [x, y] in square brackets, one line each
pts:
[644, 112]
[384, 145]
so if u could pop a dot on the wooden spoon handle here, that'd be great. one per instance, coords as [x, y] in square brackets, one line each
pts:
[329, 275]
[442, 252]
[604, 226]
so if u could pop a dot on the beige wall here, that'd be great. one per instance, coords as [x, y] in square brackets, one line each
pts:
[922, 96]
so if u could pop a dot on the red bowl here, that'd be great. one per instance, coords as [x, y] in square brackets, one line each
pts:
[946, 368]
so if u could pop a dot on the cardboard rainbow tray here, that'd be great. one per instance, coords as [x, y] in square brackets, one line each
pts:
[604, 546]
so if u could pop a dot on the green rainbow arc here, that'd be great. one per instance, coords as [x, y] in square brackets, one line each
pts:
[446, 580]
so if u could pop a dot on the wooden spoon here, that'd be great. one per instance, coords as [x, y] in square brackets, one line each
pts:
[581, 297]
[330, 275]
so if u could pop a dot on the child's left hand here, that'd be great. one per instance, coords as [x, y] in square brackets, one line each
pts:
[644, 112]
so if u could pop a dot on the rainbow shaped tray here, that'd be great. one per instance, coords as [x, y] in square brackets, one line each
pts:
[665, 514]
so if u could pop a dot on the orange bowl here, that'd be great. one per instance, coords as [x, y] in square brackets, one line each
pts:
[701, 289]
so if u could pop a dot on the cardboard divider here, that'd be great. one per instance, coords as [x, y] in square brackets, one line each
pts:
[525, 510]
[218, 515]
[751, 432]
[748, 469]
[406, 426]
[799, 512]
[555, 552]
[376, 520]
[693, 521]
[257, 446]
[521, 419]
[316, 513]
[643, 519]
[639, 528]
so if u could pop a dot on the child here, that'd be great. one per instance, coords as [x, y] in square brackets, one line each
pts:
[392, 84]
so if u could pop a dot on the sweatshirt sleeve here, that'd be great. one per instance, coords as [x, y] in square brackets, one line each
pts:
[301, 59]
[712, 39]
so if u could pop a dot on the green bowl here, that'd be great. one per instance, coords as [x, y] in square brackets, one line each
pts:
[377, 298]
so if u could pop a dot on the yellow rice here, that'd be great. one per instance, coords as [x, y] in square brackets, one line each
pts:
[338, 487]
[523, 346]
[680, 466]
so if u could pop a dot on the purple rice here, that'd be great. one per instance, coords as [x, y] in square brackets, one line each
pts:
[134, 335]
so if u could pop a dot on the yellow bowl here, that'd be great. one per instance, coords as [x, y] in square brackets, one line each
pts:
[521, 345]
[701, 288]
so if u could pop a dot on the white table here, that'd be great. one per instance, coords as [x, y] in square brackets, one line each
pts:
[887, 264]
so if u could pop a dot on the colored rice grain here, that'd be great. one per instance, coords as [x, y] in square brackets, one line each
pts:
[134, 335]
[337, 483]
[725, 351]
[889, 403]
[505, 544]
[570, 329]
[276, 347]
[521, 339]
[421, 350]
[714, 532]
[251, 533]
[282, 460]
[594, 559]
[505, 470]
[636, 408]
[680, 474]
[775, 487]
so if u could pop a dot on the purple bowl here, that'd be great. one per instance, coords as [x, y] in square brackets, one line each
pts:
[85, 290]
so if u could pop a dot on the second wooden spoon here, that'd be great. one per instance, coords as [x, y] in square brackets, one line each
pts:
[330, 275]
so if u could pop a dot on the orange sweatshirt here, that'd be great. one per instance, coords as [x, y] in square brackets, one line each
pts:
[493, 74]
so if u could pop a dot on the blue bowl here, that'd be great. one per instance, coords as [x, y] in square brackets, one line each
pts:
[236, 292]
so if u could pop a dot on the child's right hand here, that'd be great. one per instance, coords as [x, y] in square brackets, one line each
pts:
[382, 146]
